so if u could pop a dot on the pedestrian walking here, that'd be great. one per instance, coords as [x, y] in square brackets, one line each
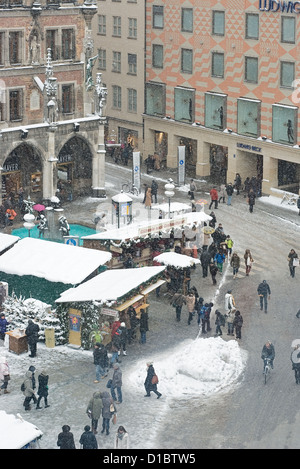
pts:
[123, 338]
[229, 301]
[32, 332]
[237, 324]
[143, 326]
[151, 381]
[94, 410]
[293, 261]
[88, 439]
[230, 315]
[229, 191]
[248, 261]
[251, 200]
[177, 301]
[42, 391]
[219, 260]
[108, 410]
[205, 321]
[229, 243]
[116, 384]
[65, 439]
[264, 293]
[213, 220]
[237, 183]
[100, 361]
[193, 189]
[148, 197]
[190, 303]
[115, 347]
[235, 264]
[213, 272]
[205, 258]
[154, 188]
[4, 374]
[222, 193]
[214, 197]
[295, 358]
[28, 391]
[4, 323]
[219, 322]
[121, 439]
[298, 204]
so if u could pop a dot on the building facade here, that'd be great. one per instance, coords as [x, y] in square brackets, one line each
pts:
[50, 127]
[221, 80]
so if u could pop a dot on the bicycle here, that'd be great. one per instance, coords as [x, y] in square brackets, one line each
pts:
[267, 369]
[130, 189]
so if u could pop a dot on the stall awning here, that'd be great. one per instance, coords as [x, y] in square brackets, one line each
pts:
[153, 287]
[130, 302]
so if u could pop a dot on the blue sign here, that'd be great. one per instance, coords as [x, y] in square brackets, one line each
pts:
[277, 5]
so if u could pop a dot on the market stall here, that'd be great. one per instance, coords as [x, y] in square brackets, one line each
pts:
[175, 208]
[178, 267]
[17, 433]
[7, 241]
[17, 341]
[98, 302]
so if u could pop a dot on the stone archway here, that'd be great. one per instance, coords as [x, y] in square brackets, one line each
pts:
[74, 169]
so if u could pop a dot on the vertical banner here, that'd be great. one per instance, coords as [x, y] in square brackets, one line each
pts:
[180, 164]
[136, 170]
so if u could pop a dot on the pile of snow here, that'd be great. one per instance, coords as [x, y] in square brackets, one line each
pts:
[16, 432]
[180, 261]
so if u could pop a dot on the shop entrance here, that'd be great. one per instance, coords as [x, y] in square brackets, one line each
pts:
[161, 147]
[288, 176]
[190, 156]
[218, 158]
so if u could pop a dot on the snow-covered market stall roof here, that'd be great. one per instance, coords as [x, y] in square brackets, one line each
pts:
[111, 286]
[173, 259]
[143, 229]
[60, 264]
[174, 207]
[7, 241]
[16, 433]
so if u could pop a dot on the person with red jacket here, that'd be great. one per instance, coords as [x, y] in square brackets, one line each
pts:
[10, 216]
[214, 197]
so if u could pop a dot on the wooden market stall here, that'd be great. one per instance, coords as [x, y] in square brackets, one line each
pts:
[140, 240]
[109, 293]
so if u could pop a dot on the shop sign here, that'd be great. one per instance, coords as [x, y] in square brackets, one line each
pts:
[10, 167]
[244, 146]
[65, 158]
[110, 312]
[282, 6]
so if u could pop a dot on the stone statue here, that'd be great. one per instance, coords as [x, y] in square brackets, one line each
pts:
[89, 69]
[35, 50]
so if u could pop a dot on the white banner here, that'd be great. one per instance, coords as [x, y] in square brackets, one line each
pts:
[181, 164]
[136, 169]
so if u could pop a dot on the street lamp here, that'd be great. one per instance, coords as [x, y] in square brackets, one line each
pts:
[169, 192]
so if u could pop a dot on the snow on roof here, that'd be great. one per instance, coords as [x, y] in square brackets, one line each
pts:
[134, 230]
[174, 207]
[110, 285]
[52, 261]
[7, 240]
[122, 197]
[176, 260]
[16, 432]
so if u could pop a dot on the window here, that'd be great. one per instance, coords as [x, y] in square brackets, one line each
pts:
[215, 110]
[2, 39]
[102, 59]
[14, 47]
[157, 56]
[132, 100]
[2, 112]
[132, 31]
[155, 99]
[67, 99]
[248, 113]
[116, 65]
[117, 26]
[51, 43]
[184, 104]
[251, 69]
[284, 121]
[102, 24]
[187, 20]
[132, 64]
[117, 95]
[288, 29]
[15, 105]
[287, 74]
[67, 44]
[186, 60]
[218, 23]
[217, 64]
[252, 26]
[158, 17]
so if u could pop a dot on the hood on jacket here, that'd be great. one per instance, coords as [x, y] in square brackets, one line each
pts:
[97, 395]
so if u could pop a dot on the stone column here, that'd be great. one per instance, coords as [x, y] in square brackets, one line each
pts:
[270, 173]
[98, 177]
[49, 167]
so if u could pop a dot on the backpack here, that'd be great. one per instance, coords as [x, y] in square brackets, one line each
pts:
[23, 387]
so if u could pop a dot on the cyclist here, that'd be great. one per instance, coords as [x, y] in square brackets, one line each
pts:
[268, 351]
[295, 358]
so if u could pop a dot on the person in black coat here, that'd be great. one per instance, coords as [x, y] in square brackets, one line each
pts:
[149, 386]
[42, 392]
[65, 439]
[32, 332]
[143, 325]
[251, 200]
[154, 187]
[205, 260]
[88, 439]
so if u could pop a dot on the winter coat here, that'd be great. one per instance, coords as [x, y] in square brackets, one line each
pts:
[116, 342]
[106, 401]
[148, 381]
[219, 258]
[205, 258]
[100, 356]
[117, 378]
[4, 368]
[291, 257]
[148, 197]
[123, 335]
[214, 194]
[144, 322]
[248, 258]
[28, 384]
[95, 406]
[178, 300]
[229, 302]
[235, 261]
[268, 352]
[32, 332]
[229, 189]
[251, 198]
[213, 269]
[88, 440]
[190, 302]
[222, 192]
[3, 325]
[43, 384]
[230, 316]
[121, 443]
[154, 187]
[238, 320]
[65, 439]
[263, 289]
